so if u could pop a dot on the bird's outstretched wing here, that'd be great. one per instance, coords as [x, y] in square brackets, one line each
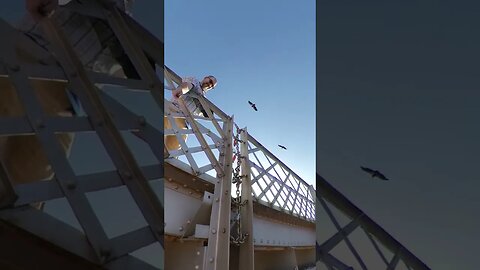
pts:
[281, 146]
[368, 170]
[381, 176]
[252, 105]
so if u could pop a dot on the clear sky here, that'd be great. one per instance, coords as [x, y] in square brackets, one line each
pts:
[262, 51]
[399, 92]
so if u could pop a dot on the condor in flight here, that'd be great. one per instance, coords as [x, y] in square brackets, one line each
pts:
[374, 173]
[281, 146]
[253, 105]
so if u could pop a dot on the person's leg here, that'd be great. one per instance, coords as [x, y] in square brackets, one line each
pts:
[171, 142]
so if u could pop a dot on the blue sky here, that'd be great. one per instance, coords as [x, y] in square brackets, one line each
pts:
[262, 51]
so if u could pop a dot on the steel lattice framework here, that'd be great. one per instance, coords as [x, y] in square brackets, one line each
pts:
[106, 118]
[273, 183]
[208, 154]
[331, 201]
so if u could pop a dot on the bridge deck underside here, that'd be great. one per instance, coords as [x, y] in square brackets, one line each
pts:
[272, 228]
[20, 249]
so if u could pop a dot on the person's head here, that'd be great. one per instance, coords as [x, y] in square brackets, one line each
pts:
[208, 83]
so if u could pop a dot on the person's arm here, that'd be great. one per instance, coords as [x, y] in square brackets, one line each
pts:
[182, 89]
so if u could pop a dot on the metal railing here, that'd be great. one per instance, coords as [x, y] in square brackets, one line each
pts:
[273, 183]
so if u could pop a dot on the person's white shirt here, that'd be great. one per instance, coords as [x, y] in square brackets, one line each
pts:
[190, 102]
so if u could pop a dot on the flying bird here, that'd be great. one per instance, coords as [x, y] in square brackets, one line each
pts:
[281, 146]
[374, 173]
[253, 105]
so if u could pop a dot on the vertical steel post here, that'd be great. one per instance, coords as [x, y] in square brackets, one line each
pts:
[246, 253]
[218, 249]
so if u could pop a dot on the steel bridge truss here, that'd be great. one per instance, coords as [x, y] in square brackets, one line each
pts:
[107, 119]
[208, 153]
[354, 240]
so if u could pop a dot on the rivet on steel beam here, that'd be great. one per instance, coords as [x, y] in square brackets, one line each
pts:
[198, 252]
[189, 221]
[175, 187]
[170, 179]
[224, 230]
[197, 267]
[180, 228]
[217, 199]
[194, 179]
[190, 193]
[210, 259]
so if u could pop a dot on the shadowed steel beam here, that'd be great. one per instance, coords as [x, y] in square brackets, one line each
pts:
[377, 248]
[113, 141]
[339, 236]
[136, 55]
[393, 263]
[48, 190]
[337, 226]
[53, 150]
[327, 191]
[330, 260]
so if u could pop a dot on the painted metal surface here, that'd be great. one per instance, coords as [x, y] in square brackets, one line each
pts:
[105, 117]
